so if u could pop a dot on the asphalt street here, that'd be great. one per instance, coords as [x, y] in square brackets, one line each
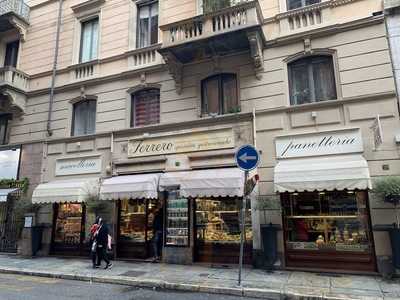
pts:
[19, 287]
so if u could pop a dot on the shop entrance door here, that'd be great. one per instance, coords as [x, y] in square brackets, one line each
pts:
[135, 228]
[217, 231]
[8, 227]
[68, 229]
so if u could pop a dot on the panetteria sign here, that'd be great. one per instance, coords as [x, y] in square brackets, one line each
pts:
[75, 166]
[316, 144]
[182, 143]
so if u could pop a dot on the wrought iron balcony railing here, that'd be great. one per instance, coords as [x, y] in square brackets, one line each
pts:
[18, 7]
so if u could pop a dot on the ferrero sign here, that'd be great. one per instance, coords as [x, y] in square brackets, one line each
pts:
[182, 143]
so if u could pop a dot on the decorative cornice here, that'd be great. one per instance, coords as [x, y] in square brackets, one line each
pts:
[306, 9]
[87, 5]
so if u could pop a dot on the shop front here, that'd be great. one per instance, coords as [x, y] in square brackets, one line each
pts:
[136, 199]
[323, 181]
[191, 174]
[70, 216]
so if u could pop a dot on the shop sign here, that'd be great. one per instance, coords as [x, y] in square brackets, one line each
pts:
[182, 143]
[75, 166]
[316, 144]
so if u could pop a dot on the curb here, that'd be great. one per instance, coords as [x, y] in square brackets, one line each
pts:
[183, 287]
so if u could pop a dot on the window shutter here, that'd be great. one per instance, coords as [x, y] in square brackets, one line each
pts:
[146, 107]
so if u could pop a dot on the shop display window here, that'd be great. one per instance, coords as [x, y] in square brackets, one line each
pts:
[327, 221]
[218, 221]
[136, 220]
[69, 224]
[177, 220]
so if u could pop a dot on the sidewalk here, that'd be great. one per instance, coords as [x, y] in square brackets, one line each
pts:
[256, 283]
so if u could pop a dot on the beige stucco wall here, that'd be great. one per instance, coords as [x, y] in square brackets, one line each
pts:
[357, 41]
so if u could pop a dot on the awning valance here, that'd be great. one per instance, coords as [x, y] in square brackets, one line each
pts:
[59, 191]
[143, 186]
[5, 192]
[228, 182]
[322, 173]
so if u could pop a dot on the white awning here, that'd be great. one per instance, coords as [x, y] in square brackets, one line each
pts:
[5, 192]
[322, 173]
[59, 191]
[227, 182]
[144, 186]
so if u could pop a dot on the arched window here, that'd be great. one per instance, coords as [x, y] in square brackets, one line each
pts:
[312, 79]
[219, 94]
[84, 118]
[145, 107]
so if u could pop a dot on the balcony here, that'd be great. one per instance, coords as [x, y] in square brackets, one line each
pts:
[14, 14]
[13, 88]
[229, 30]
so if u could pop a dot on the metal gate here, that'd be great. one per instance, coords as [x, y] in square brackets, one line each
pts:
[8, 226]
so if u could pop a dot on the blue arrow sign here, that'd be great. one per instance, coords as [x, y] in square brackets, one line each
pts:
[247, 157]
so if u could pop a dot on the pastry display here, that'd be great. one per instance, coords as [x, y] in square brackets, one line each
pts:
[331, 221]
[218, 221]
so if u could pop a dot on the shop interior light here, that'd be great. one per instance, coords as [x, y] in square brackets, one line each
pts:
[322, 193]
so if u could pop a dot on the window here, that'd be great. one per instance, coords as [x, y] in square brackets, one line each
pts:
[212, 5]
[89, 40]
[219, 94]
[11, 54]
[4, 118]
[84, 118]
[312, 79]
[147, 25]
[145, 107]
[293, 4]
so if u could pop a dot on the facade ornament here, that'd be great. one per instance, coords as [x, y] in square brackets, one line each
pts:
[256, 52]
[143, 79]
[20, 26]
[175, 70]
[307, 46]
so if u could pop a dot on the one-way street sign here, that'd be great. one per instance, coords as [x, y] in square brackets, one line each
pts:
[247, 158]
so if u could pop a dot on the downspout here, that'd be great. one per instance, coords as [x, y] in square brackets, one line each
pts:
[387, 13]
[53, 76]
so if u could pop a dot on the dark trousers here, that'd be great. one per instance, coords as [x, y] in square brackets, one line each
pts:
[157, 243]
[102, 254]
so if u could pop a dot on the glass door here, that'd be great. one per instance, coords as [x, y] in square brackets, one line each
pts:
[68, 229]
[135, 230]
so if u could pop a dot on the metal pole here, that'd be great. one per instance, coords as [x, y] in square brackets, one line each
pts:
[242, 228]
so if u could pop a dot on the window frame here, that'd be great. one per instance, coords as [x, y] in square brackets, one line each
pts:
[147, 4]
[333, 63]
[14, 54]
[82, 102]
[303, 4]
[82, 22]
[5, 119]
[133, 96]
[221, 108]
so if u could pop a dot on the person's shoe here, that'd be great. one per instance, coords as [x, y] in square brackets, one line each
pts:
[108, 266]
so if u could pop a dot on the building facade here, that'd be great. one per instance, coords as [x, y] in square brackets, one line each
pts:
[136, 103]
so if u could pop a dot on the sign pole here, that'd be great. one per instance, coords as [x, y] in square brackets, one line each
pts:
[242, 228]
[247, 159]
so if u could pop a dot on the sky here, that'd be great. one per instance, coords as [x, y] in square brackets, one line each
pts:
[9, 164]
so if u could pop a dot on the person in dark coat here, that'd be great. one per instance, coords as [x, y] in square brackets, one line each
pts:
[102, 244]
[158, 227]
[93, 243]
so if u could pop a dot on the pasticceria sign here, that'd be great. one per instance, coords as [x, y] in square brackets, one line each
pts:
[182, 143]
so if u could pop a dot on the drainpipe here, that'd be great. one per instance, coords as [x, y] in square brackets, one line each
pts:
[53, 76]
[387, 13]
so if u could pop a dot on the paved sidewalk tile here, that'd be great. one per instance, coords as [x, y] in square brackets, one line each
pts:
[255, 283]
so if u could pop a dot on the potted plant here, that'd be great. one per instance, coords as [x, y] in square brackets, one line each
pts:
[388, 189]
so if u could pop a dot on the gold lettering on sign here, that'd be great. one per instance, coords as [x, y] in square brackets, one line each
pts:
[181, 143]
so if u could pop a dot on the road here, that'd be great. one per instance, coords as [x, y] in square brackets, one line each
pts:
[20, 287]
